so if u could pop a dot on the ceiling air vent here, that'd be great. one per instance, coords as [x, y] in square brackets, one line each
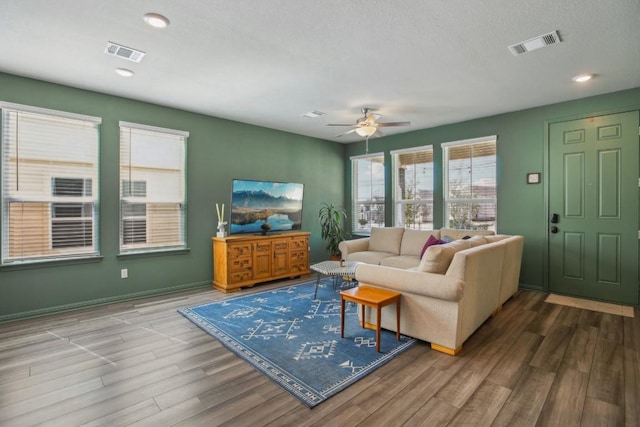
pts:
[313, 114]
[535, 43]
[124, 52]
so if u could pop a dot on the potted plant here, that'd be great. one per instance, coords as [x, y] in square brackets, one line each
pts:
[332, 227]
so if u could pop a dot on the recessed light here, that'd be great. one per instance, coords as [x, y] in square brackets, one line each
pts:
[124, 72]
[583, 78]
[156, 20]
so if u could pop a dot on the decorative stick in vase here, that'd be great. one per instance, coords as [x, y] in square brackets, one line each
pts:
[221, 222]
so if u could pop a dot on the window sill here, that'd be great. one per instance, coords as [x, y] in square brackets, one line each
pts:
[50, 263]
[146, 254]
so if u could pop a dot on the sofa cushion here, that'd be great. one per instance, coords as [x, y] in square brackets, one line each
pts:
[413, 241]
[369, 257]
[459, 234]
[401, 261]
[430, 242]
[438, 257]
[497, 238]
[386, 239]
[477, 240]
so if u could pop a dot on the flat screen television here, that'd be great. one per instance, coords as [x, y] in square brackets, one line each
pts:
[254, 203]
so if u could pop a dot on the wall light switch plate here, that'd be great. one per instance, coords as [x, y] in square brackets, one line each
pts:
[124, 273]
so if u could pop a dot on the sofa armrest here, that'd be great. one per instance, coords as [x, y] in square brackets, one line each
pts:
[409, 281]
[481, 270]
[350, 246]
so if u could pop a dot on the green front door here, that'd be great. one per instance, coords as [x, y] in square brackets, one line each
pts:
[593, 192]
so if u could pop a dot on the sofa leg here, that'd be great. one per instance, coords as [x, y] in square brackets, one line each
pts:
[496, 311]
[446, 350]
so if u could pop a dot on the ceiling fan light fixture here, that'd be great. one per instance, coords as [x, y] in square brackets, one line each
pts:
[366, 131]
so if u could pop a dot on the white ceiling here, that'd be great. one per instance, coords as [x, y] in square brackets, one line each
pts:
[268, 62]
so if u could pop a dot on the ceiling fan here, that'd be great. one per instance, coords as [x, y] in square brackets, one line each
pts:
[367, 125]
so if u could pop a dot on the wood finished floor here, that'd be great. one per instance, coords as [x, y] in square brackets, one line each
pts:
[142, 363]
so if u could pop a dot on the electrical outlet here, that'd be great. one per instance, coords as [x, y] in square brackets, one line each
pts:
[124, 273]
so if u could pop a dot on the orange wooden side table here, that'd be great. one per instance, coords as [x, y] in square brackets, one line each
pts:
[374, 298]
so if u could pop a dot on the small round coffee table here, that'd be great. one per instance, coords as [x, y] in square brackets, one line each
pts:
[333, 269]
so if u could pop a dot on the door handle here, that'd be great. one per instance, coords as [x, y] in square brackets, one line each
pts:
[554, 229]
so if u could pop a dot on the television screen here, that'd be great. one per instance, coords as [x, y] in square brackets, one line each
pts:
[254, 203]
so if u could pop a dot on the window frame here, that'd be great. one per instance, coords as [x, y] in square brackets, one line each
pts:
[88, 127]
[357, 227]
[137, 248]
[447, 200]
[399, 204]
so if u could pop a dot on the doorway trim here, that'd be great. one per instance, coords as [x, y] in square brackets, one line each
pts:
[546, 171]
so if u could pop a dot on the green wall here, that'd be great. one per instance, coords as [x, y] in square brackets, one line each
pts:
[521, 148]
[217, 151]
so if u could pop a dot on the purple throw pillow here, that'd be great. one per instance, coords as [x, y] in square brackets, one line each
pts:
[432, 240]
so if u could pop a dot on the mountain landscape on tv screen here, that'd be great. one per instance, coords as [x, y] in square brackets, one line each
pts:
[250, 209]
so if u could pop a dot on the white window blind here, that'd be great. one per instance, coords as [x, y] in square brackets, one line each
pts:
[152, 188]
[470, 183]
[368, 192]
[413, 188]
[49, 184]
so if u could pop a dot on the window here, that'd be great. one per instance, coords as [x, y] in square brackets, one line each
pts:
[152, 188]
[413, 188]
[49, 184]
[470, 183]
[368, 192]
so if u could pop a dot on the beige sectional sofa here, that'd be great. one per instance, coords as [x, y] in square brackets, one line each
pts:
[449, 292]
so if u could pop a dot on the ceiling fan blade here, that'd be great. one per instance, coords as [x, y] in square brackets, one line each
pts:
[346, 133]
[375, 116]
[339, 124]
[389, 124]
[378, 133]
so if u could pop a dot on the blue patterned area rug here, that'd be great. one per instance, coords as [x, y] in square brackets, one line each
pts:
[295, 340]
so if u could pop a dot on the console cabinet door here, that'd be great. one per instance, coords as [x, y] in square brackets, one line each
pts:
[280, 257]
[262, 260]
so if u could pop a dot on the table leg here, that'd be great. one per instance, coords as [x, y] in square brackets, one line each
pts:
[398, 318]
[379, 310]
[363, 311]
[315, 294]
[341, 317]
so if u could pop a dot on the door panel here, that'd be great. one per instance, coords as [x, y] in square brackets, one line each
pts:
[593, 186]
[574, 185]
[609, 259]
[574, 255]
[609, 184]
